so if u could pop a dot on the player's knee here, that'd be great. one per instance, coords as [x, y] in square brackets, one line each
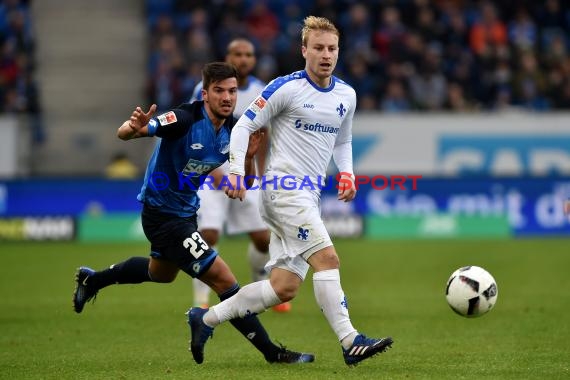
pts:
[286, 293]
[324, 259]
[332, 260]
[285, 290]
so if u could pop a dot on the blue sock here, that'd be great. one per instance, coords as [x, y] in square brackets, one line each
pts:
[253, 330]
[131, 271]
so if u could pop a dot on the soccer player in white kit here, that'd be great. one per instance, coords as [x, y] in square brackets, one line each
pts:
[216, 209]
[311, 115]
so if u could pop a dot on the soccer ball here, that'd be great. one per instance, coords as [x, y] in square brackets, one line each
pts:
[471, 291]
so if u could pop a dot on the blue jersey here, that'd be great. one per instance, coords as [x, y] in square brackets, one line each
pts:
[190, 148]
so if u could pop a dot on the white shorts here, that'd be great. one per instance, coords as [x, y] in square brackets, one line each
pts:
[297, 230]
[218, 211]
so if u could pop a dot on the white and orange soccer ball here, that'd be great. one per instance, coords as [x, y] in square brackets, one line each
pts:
[471, 291]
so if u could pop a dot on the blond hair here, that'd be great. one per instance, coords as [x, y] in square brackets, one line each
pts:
[313, 23]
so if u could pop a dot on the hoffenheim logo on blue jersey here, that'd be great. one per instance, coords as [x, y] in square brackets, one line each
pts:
[196, 167]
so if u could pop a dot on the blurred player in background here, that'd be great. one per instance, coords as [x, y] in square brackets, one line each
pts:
[311, 113]
[217, 210]
[195, 140]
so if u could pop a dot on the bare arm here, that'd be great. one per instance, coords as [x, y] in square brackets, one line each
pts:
[136, 126]
[256, 140]
[262, 151]
[249, 172]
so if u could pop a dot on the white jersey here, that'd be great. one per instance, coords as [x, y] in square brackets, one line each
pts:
[245, 95]
[309, 124]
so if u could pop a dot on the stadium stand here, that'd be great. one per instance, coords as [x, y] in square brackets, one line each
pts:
[18, 88]
[421, 55]
[91, 71]
[402, 56]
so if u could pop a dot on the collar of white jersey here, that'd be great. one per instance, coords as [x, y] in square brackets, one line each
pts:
[327, 89]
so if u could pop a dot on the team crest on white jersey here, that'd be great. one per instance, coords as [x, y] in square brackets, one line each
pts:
[303, 233]
[341, 110]
[167, 118]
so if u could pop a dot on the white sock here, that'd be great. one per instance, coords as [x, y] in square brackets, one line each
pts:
[201, 293]
[331, 300]
[257, 261]
[252, 298]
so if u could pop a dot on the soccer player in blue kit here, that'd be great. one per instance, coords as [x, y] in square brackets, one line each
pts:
[195, 140]
[219, 214]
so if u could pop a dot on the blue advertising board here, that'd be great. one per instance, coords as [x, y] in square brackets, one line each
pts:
[533, 206]
[490, 154]
[67, 196]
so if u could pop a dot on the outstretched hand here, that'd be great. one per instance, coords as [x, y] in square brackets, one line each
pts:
[139, 118]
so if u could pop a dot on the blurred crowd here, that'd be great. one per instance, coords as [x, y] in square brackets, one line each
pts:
[18, 89]
[399, 55]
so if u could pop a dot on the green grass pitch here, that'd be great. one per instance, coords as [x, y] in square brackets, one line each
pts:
[393, 288]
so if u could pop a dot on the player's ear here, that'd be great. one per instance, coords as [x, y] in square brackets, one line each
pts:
[304, 51]
[204, 95]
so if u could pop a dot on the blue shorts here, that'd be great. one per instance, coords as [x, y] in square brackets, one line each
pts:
[176, 239]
